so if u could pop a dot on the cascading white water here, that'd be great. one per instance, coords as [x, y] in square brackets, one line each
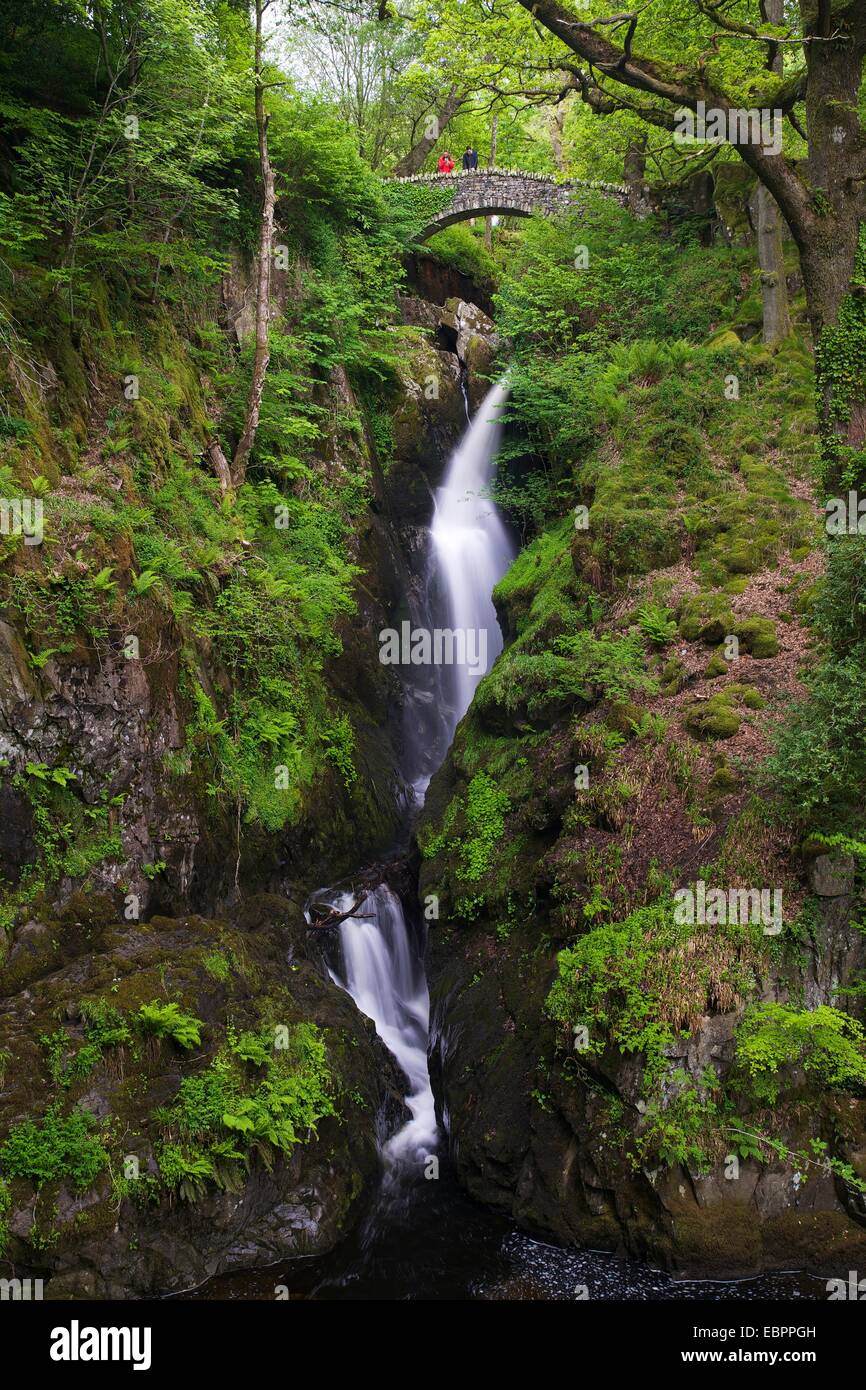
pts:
[380, 965]
[384, 974]
[471, 547]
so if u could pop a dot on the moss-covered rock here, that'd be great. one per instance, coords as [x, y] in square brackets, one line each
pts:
[713, 718]
[109, 1208]
[747, 695]
[724, 781]
[706, 617]
[758, 637]
[673, 676]
[716, 666]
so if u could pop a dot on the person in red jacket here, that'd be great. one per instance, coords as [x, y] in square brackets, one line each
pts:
[446, 163]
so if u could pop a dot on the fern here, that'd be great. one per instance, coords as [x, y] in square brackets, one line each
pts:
[657, 624]
[141, 584]
[102, 582]
[167, 1021]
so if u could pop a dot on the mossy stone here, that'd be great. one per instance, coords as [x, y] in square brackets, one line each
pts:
[706, 617]
[723, 342]
[747, 695]
[673, 676]
[758, 636]
[624, 716]
[716, 666]
[713, 718]
[724, 781]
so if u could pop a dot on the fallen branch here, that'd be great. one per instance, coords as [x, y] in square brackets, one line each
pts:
[333, 918]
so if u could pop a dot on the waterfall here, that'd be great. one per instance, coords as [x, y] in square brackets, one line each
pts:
[471, 547]
[381, 958]
[382, 969]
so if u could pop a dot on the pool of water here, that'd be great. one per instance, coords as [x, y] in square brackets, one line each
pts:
[436, 1243]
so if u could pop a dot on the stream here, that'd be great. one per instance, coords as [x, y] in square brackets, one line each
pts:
[428, 1239]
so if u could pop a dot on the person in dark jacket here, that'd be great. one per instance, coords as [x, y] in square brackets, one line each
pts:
[470, 158]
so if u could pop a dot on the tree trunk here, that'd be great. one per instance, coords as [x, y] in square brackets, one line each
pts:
[555, 127]
[771, 252]
[411, 162]
[263, 287]
[837, 175]
[634, 172]
[771, 260]
[491, 164]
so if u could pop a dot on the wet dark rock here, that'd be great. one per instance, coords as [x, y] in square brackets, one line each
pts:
[832, 875]
[532, 1133]
[108, 1245]
[17, 846]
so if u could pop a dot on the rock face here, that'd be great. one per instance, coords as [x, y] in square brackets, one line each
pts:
[543, 1135]
[434, 282]
[454, 351]
[476, 342]
[135, 1238]
[666, 1133]
[429, 417]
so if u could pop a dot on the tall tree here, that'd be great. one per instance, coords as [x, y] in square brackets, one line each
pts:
[435, 122]
[262, 352]
[824, 206]
[771, 252]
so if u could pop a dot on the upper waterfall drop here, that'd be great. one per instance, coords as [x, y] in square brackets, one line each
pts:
[471, 547]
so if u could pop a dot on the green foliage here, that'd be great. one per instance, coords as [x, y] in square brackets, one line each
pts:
[59, 1148]
[680, 1127]
[60, 776]
[482, 814]
[66, 1070]
[486, 808]
[637, 981]
[217, 966]
[104, 1024]
[840, 368]
[774, 1039]
[582, 667]
[71, 836]
[611, 979]
[656, 623]
[141, 584]
[819, 764]
[413, 203]
[221, 1119]
[463, 249]
[168, 1021]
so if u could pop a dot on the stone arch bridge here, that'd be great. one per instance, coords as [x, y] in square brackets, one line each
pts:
[502, 193]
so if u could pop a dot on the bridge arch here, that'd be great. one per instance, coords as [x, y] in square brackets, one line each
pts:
[499, 193]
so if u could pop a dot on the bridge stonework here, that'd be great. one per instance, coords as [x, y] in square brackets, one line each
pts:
[504, 193]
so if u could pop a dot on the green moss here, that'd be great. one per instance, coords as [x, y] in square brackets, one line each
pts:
[724, 781]
[717, 665]
[747, 695]
[758, 637]
[624, 716]
[706, 617]
[713, 718]
[673, 676]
